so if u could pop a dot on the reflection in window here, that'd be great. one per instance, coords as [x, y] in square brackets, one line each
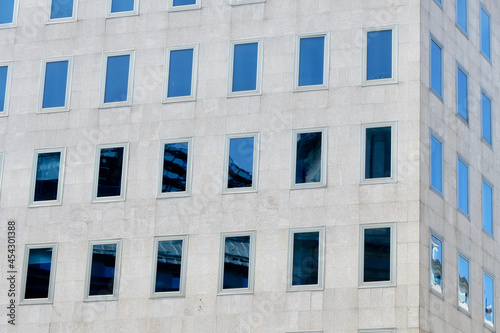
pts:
[485, 33]
[245, 67]
[169, 266]
[436, 265]
[308, 159]
[47, 176]
[486, 118]
[377, 254]
[489, 301]
[121, 6]
[436, 164]
[38, 273]
[102, 276]
[378, 152]
[241, 158]
[305, 263]
[436, 69]
[463, 186]
[183, 2]
[55, 84]
[461, 15]
[379, 55]
[175, 167]
[117, 74]
[462, 99]
[7, 11]
[180, 73]
[61, 9]
[236, 262]
[463, 283]
[487, 204]
[110, 172]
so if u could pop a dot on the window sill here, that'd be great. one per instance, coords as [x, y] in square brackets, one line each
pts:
[61, 20]
[228, 292]
[53, 110]
[8, 25]
[313, 287]
[245, 2]
[374, 181]
[101, 298]
[108, 199]
[184, 8]
[51, 203]
[436, 293]
[168, 195]
[310, 88]
[36, 301]
[305, 186]
[168, 294]
[381, 284]
[379, 82]
[122, 14]
[244, 93]
[115, 105]
[179, 99]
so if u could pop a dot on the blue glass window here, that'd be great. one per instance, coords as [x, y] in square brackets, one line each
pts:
[461, 17]
[47, 176]
[377, 255]
[436, 69]
[436, 265]
[175, 167]
[305, 258]
[485, 34]
[117, 78]
[183, 2]
[311, 61]
[241, 162]
[55, 84]
[487, 199]
[436, 165]
[486, 118]
[439, 2]
[4, 70]
[245, 62]
[7, 11]
[180, 73]
[378, 152]
[463, 283]
[462, 100]
[102, 276]
[61, 9]
[308, 160]
[169, 266]
[110, 172]
[489, 301]
[122, 6]
[236, 262]
[463, 186]
[38, 273]
[379, 55]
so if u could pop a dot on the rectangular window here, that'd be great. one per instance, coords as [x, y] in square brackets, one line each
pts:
[463, 186]
[489, 300]
[309, 149]
[241, 163]
[463, 283]
[175, 168]
[377, 266]
[436, 163]
[436, 264]
[380, 55]
[110, 173]
[485, 33]
[103, 270]
[486, 117]
[177, 5]
[306, 258]
[39, 268]
[462, 92]
[461, 17]
[487, 203]
[378, 158]
[436, 68]
[237, 262]
[245, 67]
[8, 13]
[47, 177]
[5, 83]
[117, 79]
[169, 266]
[181, 64]
[62, 10]
[312, 53]
[55, 87]
[119, 8]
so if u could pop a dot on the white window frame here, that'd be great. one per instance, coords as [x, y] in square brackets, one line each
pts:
[393, 255]
[12, 24]
[467, 110]
[1, 167]
[134, 11]
[245, 2]
[488, 96]
[123, 185]
[378, 330]
[491, 276]
[67, 95]
[324, 158]
[466, 214]
[194, 74]
[116, 281]
[326, 62]
[304, 332]
[8, 85]
[441, 239]
[251, 263]
[460, 308]
[433, 39]
[184, 258]
[189, 175]
[434, 135]
[394, 151]
[255, 171]
[52, 278]
[490, 185]
[62, 19]
[60, 181]
[364, 66]
[258, 82]
[172, 8]
[482, 7]
[466, 31]
[130, 88]
[321, 259]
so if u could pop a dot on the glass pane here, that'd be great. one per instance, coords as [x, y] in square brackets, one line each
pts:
[61, 8]
[236, 262]
[311, 61]
[6, 11]
[184, 2]
[489, 310]
[168, 266]
[54, 90]
[379, 55]
[180, 73]
[305, 258]
[485, 33]
[110, 172]
[47, 176]
[463, 187]
[463, 283]
[245, 67]
[377, 255]
[487, 208]
[117, 78]
[3, 86]
[308, 163]
[241, 157]
[38, 274]
[122, 6]
[486, 118]
[436, 69]
[462, 14]
[102, 276]
[378, 152]
[436, 264]
[436, 164]
[175, 157]
[461, 93]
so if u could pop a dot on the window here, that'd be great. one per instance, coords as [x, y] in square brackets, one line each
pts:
[119, 8]
[436, 68]
[439, 3]
[241, 163]
[312, 53]
[463, 283]
[117, 79]
[309, 148]
[436, 163]
[5, 83]
[485, 33]
[487, 203]
[378, 158]
[47, 177]
[486, 117]
[377, 265]
[175, 168]
[489, 300]
[62, 10]
[462, 100]
[103, 270]
[169, 266]
[39, 272]
[181, 73]
[237, 262]
[176, 5]
[110, 172]
[1, 168]
[55, 87]
[380, 55]
[436, 264]
[8, 13]
[461, 18]
[245, 68]
[244, 2]
[463, 186]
